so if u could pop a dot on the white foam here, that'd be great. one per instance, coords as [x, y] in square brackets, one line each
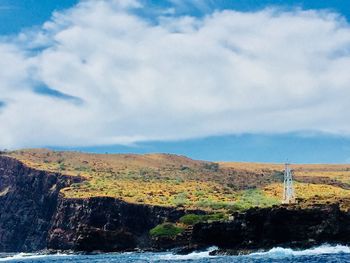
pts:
[191, 256]
[24, 256]
[279, 252]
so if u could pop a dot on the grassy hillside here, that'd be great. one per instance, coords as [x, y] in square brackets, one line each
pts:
[171, 180]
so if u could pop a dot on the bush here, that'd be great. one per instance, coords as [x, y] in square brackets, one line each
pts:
[214, 205]
[192, 219]
[165, 230]
[253, 198]
[214, 167]
[62, 166]
[180, 199]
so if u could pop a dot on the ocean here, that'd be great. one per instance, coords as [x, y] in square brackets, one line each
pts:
[323, 253]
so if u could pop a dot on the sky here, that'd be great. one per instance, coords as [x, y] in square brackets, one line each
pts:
[262, 81]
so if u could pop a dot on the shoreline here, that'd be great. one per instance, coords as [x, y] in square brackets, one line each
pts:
[276, 252]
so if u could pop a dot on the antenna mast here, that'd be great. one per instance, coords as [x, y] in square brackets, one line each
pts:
[288, 189]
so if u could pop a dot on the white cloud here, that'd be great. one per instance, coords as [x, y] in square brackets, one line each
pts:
[185, 77]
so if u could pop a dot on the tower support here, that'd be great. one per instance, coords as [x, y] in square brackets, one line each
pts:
[288, 189]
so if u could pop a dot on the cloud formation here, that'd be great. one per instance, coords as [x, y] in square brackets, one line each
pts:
[98, 73]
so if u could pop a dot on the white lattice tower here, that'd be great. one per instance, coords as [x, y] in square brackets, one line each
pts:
[288, 189]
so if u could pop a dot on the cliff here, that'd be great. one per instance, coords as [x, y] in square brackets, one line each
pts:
[105, 224]
[28, 201]
[35, 215]
[291, 227]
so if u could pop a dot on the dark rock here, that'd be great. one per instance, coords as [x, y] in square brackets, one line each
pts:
[106, 224]
[28, 201]
[278, 226]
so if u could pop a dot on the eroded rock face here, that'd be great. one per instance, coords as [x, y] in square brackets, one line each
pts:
[34, 216]
[28, 201]
[105, 224]
[279, 226]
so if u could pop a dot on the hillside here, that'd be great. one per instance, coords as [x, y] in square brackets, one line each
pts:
[177, 181]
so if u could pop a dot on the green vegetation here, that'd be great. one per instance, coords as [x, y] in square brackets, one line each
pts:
[214, 167]
[192, 219]
[181, 199]
[177, 181]
[254, 198]
[209, 204]
[166, 230]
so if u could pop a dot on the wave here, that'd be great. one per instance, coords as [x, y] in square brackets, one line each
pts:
[24, 256]
[274, 253]
[279, 252]
[191, 256]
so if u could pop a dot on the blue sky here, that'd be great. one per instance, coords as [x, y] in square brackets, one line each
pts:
[247, 148]
[18, 14]
[216, 140]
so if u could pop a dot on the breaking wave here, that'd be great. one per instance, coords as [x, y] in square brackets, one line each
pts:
[279, 252]
[23, 256]
[191, 256]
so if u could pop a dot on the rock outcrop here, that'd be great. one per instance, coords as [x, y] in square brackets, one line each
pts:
[291, 227]
[34, 216]
[105, 224]
[28, 201]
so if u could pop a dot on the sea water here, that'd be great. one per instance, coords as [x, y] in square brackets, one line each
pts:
[323, 253]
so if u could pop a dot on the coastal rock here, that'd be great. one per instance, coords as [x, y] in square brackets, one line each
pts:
[288, 226]
[28, 201]
[105, 224]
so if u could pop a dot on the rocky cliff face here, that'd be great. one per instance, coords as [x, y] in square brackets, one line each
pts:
[279, 226]
[28, 200]
[33, 216]
[105, 224]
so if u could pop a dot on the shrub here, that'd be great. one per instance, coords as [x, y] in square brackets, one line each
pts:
[181, 199]
[199, 193]
[165, 230]
[185, 168]
[278, 176]
[217, 217]
[192, 219]
[253, 198]
[62, 166]
[214, 167]
[214, 205]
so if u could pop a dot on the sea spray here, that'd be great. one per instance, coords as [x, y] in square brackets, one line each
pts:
[279, 252]
[324, 253]
[30, 256]
[192, 256]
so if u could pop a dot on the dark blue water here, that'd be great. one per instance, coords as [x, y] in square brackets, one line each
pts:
[278, 255]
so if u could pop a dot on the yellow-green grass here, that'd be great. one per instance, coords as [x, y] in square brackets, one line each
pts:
[309, 191]
[171, 180]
